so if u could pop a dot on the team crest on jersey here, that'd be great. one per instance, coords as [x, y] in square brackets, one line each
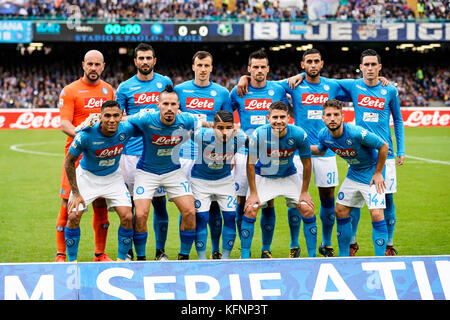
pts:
[270, 92]
[122, 136]
[383, 92]
[326, 87]
[159, 85]
[349, 142]
[105, 91]
[291, 141]
[213, 93]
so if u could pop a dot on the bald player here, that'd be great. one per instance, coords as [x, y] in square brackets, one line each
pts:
[77, 101]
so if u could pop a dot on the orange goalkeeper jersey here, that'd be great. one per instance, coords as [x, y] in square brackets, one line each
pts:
[79, 99]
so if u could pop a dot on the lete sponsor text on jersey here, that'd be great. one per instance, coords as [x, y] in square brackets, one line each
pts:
[146, 98]
[199, 103]
[109, 152]
[94, 102]
[280, 153]
[350, 152]
[166, 140]
[314, 98]
[257, 104]
[371, 102]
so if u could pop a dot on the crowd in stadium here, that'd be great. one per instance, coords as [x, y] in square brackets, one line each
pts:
[247, 10]
[39, 86]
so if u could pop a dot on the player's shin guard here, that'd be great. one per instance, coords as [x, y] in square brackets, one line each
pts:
[160, 223]
[379, 237]
[60, 226]
[229, 233]
[247, 231]
[124, 242]
[239, 215]
[355, 214]
[215, 226]
[310, 232]
[201, 233]
[295, 221]
[267, 223]
[344, 234]
[100, 224]
[187, 237]
[389, 217]
[72, 239]
[327, 217]
[140, 243]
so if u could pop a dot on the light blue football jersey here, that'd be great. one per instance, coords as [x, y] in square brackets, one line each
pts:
[307, 102]
[253, 107]
[202, 102]
[276, 155]
[358, 146]
[373, 108]
[214, 160]
[133, 96]
[101, 154]
[162, 142]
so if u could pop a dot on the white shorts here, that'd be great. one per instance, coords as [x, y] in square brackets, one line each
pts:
[240, 174]
[324, 168]
[146, 184]
[111, 187]
[354, 194]
[288, 187]
[206, 191]
[391, 176]
[186, 166]
[128, 167]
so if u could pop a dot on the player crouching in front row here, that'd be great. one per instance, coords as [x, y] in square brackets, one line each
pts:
[366, 153]
[98, 176]
[271, 172]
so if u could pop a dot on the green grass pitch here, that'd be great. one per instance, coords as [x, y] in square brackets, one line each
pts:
[29, 202]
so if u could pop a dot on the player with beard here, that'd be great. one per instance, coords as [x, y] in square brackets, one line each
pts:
[163, 132]
[77, 101]
[140, 94]
[366, 153]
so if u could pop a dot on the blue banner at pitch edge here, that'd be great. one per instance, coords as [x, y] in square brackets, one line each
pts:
[361, 278]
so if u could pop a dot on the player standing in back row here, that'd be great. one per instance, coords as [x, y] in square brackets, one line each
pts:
[77, 101]
[140, 94]
[253, 108]
[203, 98]
[374, 104]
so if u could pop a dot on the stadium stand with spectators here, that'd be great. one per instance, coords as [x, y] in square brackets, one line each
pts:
[238, 10]
[34, 80]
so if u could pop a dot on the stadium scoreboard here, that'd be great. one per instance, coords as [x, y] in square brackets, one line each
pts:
[137, 32]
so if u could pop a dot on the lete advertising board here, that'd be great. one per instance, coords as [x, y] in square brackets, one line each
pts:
[49, 118]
